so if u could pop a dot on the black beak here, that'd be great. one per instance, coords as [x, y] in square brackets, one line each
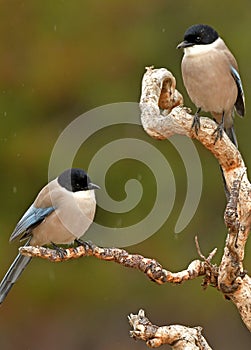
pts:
[92, 186]
[184, 44]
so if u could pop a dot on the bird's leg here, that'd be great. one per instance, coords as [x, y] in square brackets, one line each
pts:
[196, 121]
[61, 251]
[219, 130]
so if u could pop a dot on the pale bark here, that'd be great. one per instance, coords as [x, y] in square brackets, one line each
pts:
[162, 116]
[232, 280]
[177, 336]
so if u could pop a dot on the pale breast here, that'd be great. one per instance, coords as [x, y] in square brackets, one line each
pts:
[208, 81]
[73, 214]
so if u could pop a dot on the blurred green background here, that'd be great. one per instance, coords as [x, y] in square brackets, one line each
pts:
[58, 60]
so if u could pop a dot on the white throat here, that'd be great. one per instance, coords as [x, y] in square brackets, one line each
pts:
[89, 194]
[201, 49]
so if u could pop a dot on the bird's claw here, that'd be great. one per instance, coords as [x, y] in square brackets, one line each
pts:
[196, 123]
[219, 132]
[60, 251]
[86, 245]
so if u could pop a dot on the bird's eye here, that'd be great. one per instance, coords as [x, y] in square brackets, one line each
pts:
[198, 39]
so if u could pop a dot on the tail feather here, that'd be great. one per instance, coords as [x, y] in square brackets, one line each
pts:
[231, 134]
[12, 275]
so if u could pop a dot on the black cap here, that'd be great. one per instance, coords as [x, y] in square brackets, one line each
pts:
[198, 34]
[75, 180]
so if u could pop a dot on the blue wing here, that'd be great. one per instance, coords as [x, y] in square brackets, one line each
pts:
[32, 217]
[240, 102]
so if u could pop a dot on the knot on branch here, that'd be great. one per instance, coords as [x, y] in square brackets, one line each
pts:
[231, 269]
[169, 97]
[231, 216]
[211, 270]
[158, 93]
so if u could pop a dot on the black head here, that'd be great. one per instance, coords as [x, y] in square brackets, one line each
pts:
[75, 180]
[198, 34]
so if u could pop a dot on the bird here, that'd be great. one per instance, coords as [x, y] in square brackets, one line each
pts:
[61, 213]
[211, 78]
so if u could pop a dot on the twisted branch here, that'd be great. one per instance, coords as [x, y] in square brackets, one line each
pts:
[178, 337]
[150, 267]
[232, 280]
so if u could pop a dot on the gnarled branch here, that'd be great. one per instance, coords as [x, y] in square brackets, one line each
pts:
[232, 281]
[153, 270]
[177, 336]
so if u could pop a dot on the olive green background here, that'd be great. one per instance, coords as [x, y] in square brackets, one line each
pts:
[59, 59]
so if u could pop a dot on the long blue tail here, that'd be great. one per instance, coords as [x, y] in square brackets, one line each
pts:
[12, 275]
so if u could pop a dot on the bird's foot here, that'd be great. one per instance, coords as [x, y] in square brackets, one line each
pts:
[60, 251]
[86, 245]
[219, 132]
[79, 242]
[196, 123]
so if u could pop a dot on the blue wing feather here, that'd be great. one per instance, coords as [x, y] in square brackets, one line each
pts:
[32, 217]
[240, 101]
